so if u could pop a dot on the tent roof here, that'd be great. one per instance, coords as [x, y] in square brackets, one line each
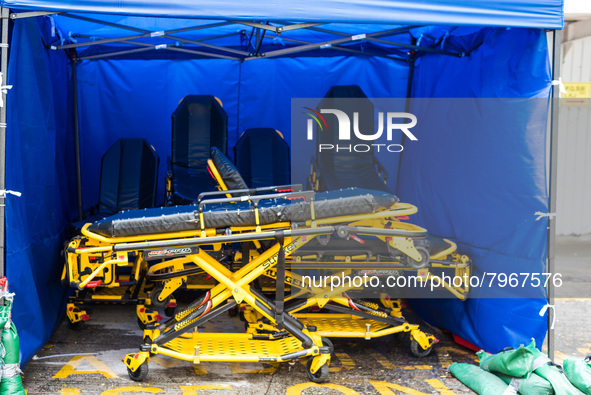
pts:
[510, 13]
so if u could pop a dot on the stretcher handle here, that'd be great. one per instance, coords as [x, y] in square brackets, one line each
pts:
[196, 241]
[252, 191]
[307, 195]
[379, 232]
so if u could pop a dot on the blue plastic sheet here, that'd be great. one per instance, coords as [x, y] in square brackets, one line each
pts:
[525, 13]
[39, 163]
[486, 199]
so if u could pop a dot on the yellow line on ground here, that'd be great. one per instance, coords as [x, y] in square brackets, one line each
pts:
[439, 386]
[389, 365]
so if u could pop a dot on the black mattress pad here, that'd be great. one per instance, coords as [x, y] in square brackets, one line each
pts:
[343, 202]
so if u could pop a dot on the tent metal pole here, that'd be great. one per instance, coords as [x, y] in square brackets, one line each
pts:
[5, 13]
[409, 81]
[554, 108]
[74, 64]
[147, 33]
[342, 49]
[415, 47]
[21, 15]
[389, 32]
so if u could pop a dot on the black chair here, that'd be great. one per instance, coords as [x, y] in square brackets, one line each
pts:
[335, 170]
[262, 157]
[198, 123]
[128, 181]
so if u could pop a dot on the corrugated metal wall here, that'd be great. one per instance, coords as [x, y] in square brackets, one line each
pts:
[574, 146]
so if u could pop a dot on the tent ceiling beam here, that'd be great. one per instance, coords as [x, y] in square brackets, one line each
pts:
[33, 14]
[278, 29]
[343, 49]
[163, 34]
[415, 47]
[368, 37]
[389, 32]
[151, 47]
[143, 35]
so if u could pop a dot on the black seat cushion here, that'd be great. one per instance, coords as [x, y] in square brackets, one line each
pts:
[339, 203]
[227, 170]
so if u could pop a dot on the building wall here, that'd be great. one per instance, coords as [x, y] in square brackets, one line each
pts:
[574, 146]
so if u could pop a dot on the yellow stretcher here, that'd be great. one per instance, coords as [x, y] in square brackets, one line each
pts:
[193, 238]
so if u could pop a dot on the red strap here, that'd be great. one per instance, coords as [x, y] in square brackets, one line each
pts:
[94, 284]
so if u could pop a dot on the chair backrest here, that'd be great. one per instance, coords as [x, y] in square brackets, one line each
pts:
[198, 123]
[340, 97]
[129, 176]
[262, 157]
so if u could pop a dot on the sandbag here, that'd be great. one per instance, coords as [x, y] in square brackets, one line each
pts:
[11, 383]
[545, 368]
[578, 372]
[515, 362]
[480, 381]
[534, 384]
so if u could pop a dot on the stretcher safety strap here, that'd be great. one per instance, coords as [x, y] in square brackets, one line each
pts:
[543, 311]
[513, 387]
[280, 280]
[541, 361]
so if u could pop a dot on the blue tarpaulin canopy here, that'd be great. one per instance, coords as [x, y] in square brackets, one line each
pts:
[135, 60]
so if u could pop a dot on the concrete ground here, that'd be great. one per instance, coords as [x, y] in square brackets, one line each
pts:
[88, 360]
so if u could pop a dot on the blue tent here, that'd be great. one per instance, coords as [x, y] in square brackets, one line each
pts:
[101, 70]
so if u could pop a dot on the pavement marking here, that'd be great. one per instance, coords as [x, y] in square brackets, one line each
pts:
[298, 388]
[192, 389]
[439, 386]
[237, 368]
[122, 390]
[389, 365]
[99, 367]
[199, 369]
[444, 359]
[70, 391]
[385, 388]
[585, 351]
[346, 362]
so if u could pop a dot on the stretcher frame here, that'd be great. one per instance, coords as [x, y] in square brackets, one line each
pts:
[233, 284]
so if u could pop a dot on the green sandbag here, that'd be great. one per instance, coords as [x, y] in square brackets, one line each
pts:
[12, 386]
[11, 383]
[516, 362]
[551, 372]
[478, 380]
[5, 312]
[534, 384]
[578, 372]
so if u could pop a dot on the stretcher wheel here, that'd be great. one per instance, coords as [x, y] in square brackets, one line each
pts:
[169, 311]
[233, 312]
[321, 376]
[424, 262]
[140, 374]
[154, 298]
[418, 351]
[327, 343]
